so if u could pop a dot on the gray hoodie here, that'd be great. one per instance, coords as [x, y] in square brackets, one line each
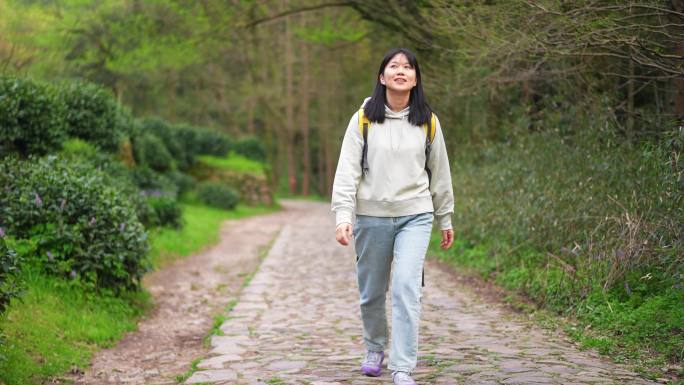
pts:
[396, 183]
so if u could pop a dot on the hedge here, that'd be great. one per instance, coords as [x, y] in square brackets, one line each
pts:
[92, 114]
[32, 118]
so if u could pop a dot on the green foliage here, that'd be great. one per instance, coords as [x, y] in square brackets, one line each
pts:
[201, 229]
[153, 183]
[127, 181]
[167, 211]
[234, 162]
[56, 326]
[182, 181]
[345, 27]
[78, 148]
[187, 136]
[31, 117]
[164, 131]
[252, 148]
[655, 323]
[150, 151]
[93, 114]
[582, 225]
[213, 143]
[218, 195]
[185, 142]
[10, 287]
[73, 222]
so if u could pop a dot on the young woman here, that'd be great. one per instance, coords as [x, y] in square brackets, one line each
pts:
[397, 187]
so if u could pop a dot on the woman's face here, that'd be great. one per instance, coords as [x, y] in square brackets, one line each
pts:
[399, 75]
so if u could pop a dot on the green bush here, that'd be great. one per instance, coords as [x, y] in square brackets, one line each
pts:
[252, 148]
[150, 151]
[182, 181]
[78, 148]
[164, 131]
[93, 114]
[31, 118]
[187, 136]
[73, 221]
[183, 141]
[217, 194]
[152, 183]
[213, 143]
[9, 270]
[574, 220]
[167, 211]
[126, 180]
[595, 211]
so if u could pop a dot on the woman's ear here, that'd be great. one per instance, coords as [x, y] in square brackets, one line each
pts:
[382, 79]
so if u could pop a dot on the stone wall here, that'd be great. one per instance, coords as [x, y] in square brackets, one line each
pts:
[252, 188]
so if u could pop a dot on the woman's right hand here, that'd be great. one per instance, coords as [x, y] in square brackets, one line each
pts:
[344, 233]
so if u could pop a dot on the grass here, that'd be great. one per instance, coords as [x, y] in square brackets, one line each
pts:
[234, 162]
[193, 368]
[275, 381]
[219, 319]
[201, 229]
[55, 327]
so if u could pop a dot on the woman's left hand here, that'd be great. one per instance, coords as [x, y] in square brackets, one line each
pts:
[447, 239]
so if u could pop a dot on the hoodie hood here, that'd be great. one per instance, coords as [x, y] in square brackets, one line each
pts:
[388, 111]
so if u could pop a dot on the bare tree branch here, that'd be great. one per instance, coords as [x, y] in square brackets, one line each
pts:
[293, 11]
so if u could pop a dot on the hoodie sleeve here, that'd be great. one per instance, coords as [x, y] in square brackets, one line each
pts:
[441, 187]
[348, 174]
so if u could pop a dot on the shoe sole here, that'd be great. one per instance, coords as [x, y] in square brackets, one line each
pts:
[371, 372]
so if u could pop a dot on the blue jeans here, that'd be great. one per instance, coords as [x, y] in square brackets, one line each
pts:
[395, 245]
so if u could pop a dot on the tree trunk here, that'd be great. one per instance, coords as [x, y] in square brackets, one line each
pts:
[630, 101]
[331, 119]
[679, 88]
[304, 112]
[289, 107]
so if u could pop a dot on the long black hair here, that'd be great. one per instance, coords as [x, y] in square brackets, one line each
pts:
[419, 110]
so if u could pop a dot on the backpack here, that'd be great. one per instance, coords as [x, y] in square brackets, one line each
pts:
[364, 125]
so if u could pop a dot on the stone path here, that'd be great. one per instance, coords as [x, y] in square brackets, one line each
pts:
[297, 322]
[187, 294]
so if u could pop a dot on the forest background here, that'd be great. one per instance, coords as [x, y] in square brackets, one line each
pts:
[563, 121]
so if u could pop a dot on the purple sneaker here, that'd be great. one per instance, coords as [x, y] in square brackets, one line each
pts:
[402, 378]
[372, 364]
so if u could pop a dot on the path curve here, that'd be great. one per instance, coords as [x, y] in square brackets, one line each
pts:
[298, 323]
[187, 294]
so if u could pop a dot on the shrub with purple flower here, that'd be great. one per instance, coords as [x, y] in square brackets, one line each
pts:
[96, 237]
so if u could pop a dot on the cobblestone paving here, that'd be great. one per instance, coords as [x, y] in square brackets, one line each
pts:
[297, 322]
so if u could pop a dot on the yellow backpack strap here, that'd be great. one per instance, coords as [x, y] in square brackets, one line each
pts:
[362, 119]
[364, 126]
[433, 123]
[430, 128]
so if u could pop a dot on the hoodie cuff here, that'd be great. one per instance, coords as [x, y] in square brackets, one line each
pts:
[444, 221]
[343, 216]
